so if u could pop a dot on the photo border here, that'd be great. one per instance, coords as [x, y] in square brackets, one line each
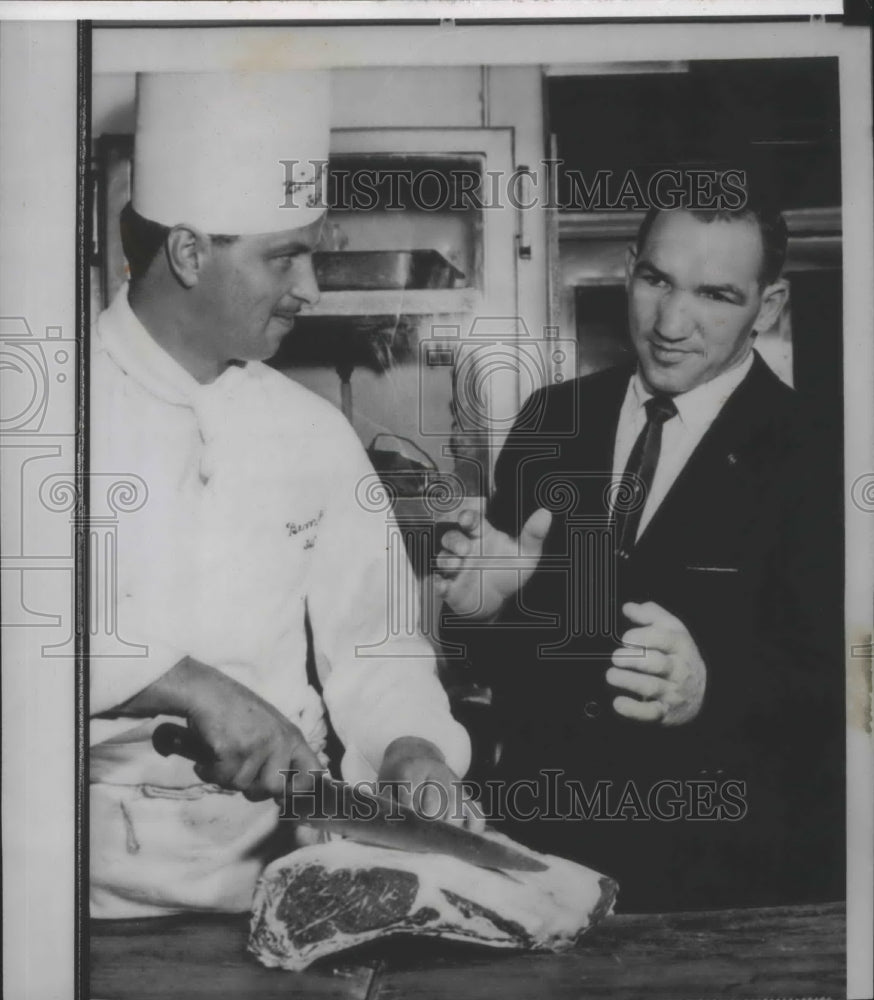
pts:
[858, 410]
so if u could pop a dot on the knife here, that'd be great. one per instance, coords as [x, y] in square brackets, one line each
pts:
[365, 816]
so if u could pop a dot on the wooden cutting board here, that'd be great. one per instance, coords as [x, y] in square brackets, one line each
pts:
[795, 951]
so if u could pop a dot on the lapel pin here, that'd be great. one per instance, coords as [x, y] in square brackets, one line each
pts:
[732, 458]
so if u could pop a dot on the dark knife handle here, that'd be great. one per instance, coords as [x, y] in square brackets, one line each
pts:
[169, 738]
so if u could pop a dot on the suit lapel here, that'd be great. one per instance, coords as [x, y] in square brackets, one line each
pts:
[718, 466]
[594, 446]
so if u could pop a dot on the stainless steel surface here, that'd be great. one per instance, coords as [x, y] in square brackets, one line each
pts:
[371, 270]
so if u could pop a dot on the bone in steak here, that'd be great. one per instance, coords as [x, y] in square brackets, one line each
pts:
[324, 898]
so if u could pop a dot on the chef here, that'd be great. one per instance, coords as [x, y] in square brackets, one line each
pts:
[248, 534]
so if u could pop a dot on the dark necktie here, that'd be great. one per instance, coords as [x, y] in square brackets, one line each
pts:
[640, 471]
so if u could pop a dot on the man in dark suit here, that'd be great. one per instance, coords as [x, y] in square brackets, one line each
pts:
[666, 641]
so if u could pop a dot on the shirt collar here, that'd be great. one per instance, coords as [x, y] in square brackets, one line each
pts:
[698, 406]
[137, 352]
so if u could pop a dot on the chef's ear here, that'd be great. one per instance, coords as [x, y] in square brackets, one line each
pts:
[187, 251]
[630, 261]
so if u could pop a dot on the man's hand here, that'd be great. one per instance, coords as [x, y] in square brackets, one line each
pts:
[469, 589]
[668, 677]
[412, 762]
[251, 741]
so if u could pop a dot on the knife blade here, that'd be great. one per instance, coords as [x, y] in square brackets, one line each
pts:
[366, 816]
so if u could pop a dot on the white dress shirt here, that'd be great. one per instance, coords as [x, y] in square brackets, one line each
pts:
[255, 515]
[696, 411]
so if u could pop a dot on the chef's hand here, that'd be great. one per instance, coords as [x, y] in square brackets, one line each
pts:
[252, 742]
[667, 678]
[466, 587]
[409, 763]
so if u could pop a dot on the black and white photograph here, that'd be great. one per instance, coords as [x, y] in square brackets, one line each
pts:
[438, 508]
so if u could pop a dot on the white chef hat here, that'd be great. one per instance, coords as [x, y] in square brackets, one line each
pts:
[232, 153]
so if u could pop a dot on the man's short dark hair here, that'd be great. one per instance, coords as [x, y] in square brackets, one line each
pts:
[142, 239]
[770, 221]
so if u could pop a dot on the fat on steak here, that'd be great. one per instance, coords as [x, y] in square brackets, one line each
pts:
[325, 898]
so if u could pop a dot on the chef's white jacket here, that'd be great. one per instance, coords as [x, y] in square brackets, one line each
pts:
[256, 510]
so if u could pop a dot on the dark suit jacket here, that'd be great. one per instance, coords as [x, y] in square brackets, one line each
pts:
[746, 551]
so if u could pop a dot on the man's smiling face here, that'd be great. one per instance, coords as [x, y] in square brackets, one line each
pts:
[251, 290]
[695, 299]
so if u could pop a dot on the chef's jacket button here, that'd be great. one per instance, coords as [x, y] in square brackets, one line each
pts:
[592, 709]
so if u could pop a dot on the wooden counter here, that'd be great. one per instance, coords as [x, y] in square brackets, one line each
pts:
[783, 951]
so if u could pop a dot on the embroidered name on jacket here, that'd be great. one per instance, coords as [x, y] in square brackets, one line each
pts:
[296, 527]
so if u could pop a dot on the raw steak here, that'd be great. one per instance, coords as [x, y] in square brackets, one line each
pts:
[327, 897]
